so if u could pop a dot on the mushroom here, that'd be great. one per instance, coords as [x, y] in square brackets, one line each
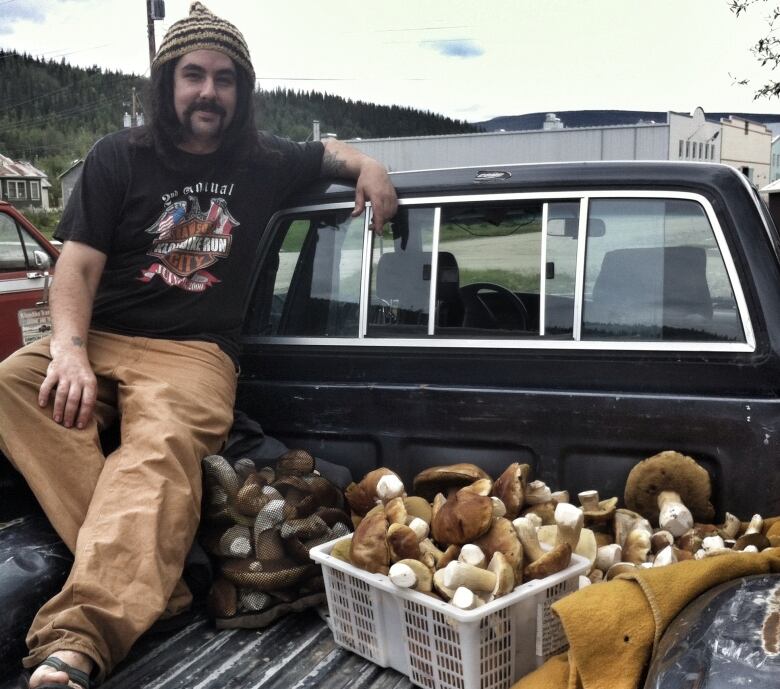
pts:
[510, 488]
[368, 548]
[388, 487]
[461, 518]
[637, 546]
[438, 584]
[773, 534]
[587, 545]
[554, 561]
[672, 484]
[599, 514]
[537, 492]
[395, 510]
[660, 540]
[362, 496]
[446, 479]
[544, 510]
[498, 578]
[441, 558]
[502, 538]
[673, 516]
[753, 535]
[411, 574]
[730, 527]
[465, 599]
[626, 521]
[472, 555]
[418, 507]
[569, 520]
[420, 527]
[403, 543]
[608, 555]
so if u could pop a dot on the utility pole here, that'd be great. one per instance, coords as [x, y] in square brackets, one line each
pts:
[155, 9]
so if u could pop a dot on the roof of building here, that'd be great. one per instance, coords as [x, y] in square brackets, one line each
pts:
[19, 168]
[73, 166]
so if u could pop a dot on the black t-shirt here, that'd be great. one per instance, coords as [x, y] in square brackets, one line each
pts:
[181, 241]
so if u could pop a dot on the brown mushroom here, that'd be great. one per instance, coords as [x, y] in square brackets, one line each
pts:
[461, 518]
[510, 488]
[368, 548]
[502, 538]
[446, 479]
[669, 472]
[554, 561]
[403, 543]
[418, 507]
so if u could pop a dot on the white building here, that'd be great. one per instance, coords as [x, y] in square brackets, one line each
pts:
[747, 146]
[681, 137]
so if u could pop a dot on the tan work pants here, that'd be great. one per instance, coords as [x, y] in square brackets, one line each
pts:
[130, 517]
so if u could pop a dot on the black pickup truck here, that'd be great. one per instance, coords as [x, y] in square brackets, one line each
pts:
[575, 317]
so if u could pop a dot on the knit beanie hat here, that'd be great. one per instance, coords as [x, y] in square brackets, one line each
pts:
[203, 30]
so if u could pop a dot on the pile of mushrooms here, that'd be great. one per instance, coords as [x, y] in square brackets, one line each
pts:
[468, 539]
[462, 537]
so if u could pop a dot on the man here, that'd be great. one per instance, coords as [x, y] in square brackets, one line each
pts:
[159, 240]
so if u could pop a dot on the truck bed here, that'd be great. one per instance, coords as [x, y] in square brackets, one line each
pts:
[296, 651]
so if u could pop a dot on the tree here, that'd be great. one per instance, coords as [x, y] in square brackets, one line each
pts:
[766, 49]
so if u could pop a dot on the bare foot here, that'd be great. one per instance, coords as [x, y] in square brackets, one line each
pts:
[45, 674]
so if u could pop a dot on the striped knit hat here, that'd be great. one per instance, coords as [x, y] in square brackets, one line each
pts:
[203, 30]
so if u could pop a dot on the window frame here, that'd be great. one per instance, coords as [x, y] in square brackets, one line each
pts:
[17, 184]
[535, 342]
[35, 190]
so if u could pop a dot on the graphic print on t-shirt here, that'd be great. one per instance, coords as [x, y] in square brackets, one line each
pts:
[188, 241]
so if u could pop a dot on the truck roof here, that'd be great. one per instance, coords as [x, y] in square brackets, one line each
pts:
[552, 176]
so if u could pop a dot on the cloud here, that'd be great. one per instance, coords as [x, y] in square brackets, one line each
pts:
[455, 47]
[13, 12]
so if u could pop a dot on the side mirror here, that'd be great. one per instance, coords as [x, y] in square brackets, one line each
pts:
[42, 259]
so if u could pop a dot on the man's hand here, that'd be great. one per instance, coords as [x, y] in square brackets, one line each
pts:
[372, 181]
[73, 382]
[70, 376]
[374, 185]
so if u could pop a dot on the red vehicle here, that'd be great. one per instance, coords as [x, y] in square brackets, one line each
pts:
[26, 257]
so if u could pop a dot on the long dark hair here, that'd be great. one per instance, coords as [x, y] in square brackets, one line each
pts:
[164, 132]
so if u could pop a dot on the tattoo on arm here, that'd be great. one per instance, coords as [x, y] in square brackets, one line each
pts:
[332, 165]
[77, 341]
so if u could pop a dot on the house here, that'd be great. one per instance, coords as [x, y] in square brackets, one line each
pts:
[69, 178]
[747, 146]
[23, 185]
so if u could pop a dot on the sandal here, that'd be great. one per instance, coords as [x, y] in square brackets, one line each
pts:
[74, 675]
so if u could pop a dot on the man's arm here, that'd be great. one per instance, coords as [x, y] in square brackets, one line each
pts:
[69, 375]
[372, 181]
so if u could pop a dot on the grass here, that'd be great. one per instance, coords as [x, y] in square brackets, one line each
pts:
[45, 221]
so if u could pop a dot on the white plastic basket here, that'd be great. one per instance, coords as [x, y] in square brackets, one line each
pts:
[433, 643]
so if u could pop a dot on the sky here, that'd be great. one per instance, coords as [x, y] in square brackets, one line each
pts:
[467, 59]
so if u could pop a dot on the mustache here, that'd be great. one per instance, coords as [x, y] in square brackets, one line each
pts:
[205, 106]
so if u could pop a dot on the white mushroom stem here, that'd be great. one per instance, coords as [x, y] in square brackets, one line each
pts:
[527, 534]
[701, 553]
[583, 582]
[535, 519]
[420, 527]
[674, 516]
[465, 599]
[608, 555]
[411, 574]
[499, 508]
[712, 543]
[755, 525]
[428, 546]
[750, 549]
[389, 487]
[666, 556]
[438, 583]
[569, 520]
[472, 555]
[589, 499]
[537, 492]
[457, 574]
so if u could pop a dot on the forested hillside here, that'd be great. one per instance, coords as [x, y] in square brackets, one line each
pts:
[51, 112]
